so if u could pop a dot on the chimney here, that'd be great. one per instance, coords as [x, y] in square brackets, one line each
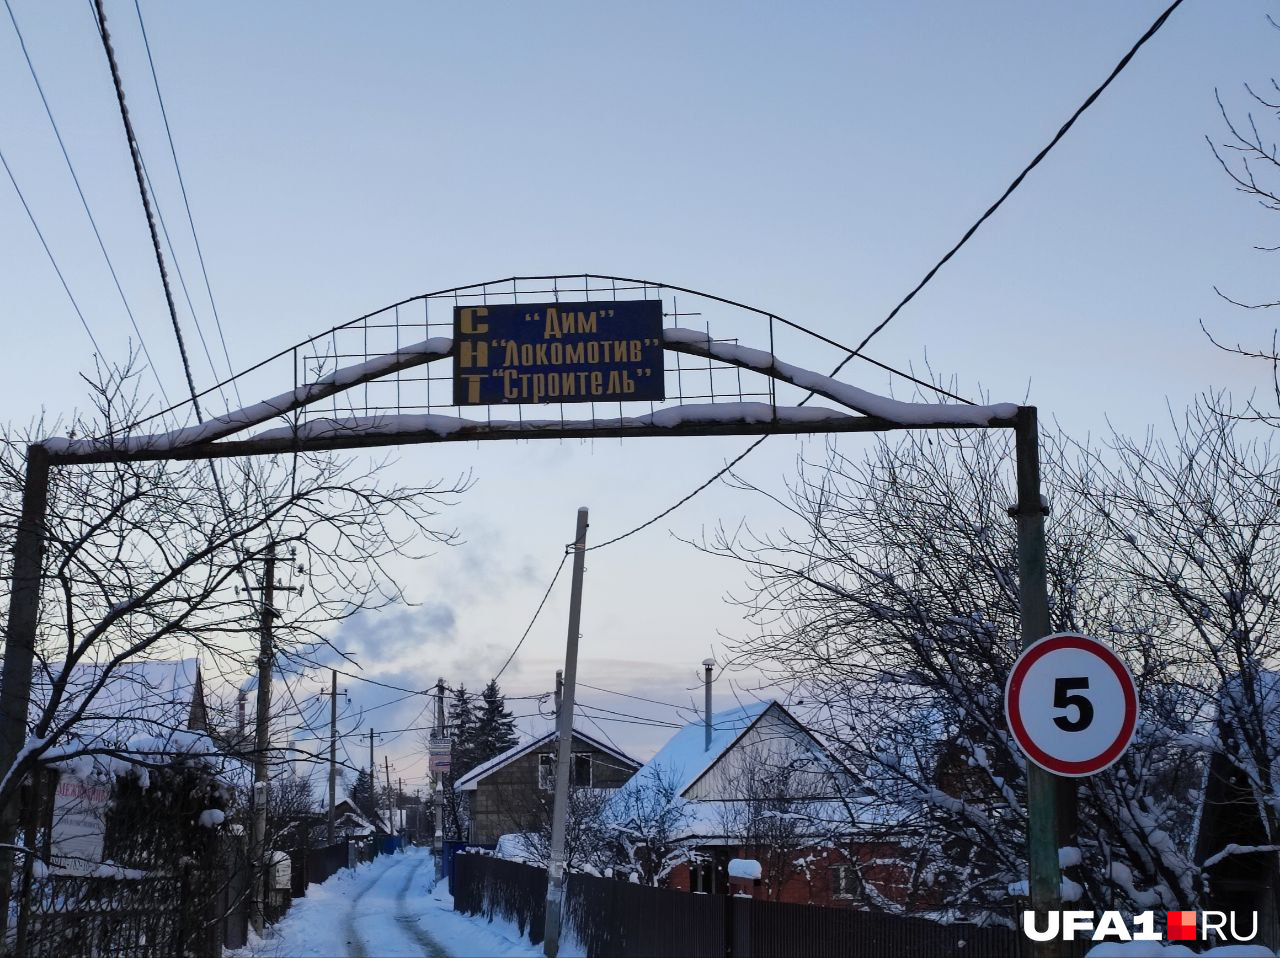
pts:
[708, 665]
[240, 700]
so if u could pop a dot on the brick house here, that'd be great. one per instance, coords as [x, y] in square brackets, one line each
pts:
[764, 787]
[1246, 881]
[512, 792]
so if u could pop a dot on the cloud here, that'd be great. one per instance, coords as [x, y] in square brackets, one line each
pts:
[396, 638]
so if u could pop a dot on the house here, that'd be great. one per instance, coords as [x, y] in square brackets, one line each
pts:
[512, 792]
[1231, 840]
[760, 785]
[134, 776]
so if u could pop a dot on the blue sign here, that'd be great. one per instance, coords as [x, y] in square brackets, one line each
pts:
[557, 352]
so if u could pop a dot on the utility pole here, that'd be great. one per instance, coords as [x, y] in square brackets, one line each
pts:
[707, 666]
[439, 735]
[1044, 789]
[262, 740]
[559, 689]
[391, 815]
[564, 729]
[333, 752]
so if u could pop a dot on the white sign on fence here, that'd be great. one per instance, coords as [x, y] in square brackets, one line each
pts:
[79, 823]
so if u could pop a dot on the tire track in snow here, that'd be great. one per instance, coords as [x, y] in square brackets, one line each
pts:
[430, 947]
[355, 946]
[395, 930]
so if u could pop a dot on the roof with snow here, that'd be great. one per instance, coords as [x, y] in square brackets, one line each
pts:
[134, 697]
[684, 759]
[468, 782]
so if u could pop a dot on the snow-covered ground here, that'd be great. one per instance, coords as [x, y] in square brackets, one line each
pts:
[384, 909]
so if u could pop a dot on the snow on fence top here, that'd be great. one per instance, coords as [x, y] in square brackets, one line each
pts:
[748, 869]
[893, 412]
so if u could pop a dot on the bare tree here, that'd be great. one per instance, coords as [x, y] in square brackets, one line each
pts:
[145, 560]
[771, 813]
[646, 824]
[1249, 156]
[891, 607]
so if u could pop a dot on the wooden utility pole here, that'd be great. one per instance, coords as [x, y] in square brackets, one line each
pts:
[262, 741]
[564, 753]
[1044, 789]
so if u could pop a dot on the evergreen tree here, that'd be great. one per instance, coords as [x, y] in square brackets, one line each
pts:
[363, 795]
[495, 726]
[462, 732]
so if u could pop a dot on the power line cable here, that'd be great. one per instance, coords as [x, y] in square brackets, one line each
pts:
[536, 612]
[642, 718]
[135, 154]
[66, 156]
[1017, 181]
[681, 501]
[186, 293]
[213, 306]
[638, 698]
[49, 253]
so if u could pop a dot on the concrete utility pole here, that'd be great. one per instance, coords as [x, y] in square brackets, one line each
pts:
[564, 753]
[262, 741]
[1044, 789]
[333, 751]
[391, 815]
[707, 666]
[440, 735]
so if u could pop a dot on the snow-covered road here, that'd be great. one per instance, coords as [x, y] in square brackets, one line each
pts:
[387, 908]
[381, 924]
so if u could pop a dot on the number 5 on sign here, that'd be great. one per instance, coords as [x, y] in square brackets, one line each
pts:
[1071, 705]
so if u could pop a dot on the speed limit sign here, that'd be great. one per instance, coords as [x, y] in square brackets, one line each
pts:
[1071, 705]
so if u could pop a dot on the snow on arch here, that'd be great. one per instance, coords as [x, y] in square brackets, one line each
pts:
[390, 422]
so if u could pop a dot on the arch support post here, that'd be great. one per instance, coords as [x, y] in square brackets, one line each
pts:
[1045, 791]
[19, 646]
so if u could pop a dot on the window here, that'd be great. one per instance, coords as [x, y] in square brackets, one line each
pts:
[702, 877]
[579, 770]
[845, 882]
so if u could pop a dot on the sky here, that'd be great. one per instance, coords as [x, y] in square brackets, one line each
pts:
[811, 159]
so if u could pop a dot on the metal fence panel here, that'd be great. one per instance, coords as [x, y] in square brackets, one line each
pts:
[495, 887]
[616, 918]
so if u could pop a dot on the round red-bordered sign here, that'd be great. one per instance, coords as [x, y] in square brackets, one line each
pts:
[1071, 704]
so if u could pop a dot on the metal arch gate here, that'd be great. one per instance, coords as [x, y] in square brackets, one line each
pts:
[369, 382]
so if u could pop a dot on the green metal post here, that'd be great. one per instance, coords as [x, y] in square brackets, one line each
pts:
[1042, 786]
